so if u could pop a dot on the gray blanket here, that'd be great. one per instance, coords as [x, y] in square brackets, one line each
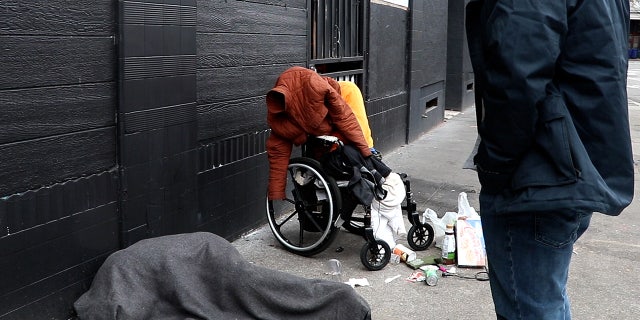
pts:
[202, 276]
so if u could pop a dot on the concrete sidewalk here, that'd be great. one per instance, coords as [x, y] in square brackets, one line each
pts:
[604, 278]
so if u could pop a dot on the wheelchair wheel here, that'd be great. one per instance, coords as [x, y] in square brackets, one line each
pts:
[375, 256]
[420, 236]
[304, 222]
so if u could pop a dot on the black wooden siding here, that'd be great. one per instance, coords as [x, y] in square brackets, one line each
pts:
[242, 48]
[186, 80]
[157, 127]
[57, 92]
[58, 195]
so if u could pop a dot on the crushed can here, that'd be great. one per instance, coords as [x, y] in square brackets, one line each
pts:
[430, 275]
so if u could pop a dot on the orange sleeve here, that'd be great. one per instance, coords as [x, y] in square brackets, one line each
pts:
[278, 152]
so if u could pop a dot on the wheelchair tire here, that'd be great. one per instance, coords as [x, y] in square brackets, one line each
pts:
[375, 256]
[304, 222]
[420, 236]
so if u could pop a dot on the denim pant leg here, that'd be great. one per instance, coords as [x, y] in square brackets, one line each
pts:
[529, 256]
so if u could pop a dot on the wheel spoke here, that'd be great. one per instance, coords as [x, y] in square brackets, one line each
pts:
[289, 217]
[300, 236]
[312, 219]
[375, 255]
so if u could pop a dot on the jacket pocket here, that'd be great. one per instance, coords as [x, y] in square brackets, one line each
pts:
[550, 161]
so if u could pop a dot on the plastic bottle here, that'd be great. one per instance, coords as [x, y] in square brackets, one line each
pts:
[449, 246]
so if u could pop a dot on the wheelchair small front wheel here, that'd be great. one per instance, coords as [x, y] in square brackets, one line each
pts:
[420, 236]
[375, 256]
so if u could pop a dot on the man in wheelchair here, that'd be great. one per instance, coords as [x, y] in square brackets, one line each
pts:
[302, 104]
[306, 109]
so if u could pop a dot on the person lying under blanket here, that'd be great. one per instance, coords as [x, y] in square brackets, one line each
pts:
[202, 276]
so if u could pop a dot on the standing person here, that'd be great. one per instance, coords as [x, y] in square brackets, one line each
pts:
[555, 145]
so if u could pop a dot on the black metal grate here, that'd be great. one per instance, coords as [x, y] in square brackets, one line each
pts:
[338, 39]
[337, 29]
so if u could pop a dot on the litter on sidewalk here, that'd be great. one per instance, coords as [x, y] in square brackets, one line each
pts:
[362, 282]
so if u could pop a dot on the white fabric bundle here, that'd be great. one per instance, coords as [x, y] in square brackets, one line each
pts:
[386, 214]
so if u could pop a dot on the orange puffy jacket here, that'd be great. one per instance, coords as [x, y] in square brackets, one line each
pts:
[304, 103]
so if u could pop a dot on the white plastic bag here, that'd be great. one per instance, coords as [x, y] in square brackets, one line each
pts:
[464, 209]
[439, 225]
[431, 217]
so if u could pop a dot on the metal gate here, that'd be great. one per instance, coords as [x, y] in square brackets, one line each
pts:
[338, 38]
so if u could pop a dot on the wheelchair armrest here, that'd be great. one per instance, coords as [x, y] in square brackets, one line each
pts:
[327, 140]
[330, 139]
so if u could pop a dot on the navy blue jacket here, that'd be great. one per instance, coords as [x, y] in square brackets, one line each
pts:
[552, 110]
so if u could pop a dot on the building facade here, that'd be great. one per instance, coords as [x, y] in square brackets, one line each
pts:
[124, 120]
[634, 30]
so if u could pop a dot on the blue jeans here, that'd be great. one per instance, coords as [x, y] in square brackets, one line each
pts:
[528, 256]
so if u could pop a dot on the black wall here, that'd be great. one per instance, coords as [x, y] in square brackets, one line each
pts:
[123, 120]
[427, 65]
[386, 92]
[157, 127]
[459, 93]
[58, 189]
[242, 48]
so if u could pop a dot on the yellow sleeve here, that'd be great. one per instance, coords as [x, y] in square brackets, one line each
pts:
[353, 97]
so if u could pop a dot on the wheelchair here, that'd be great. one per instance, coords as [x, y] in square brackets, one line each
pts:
[319, 204]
